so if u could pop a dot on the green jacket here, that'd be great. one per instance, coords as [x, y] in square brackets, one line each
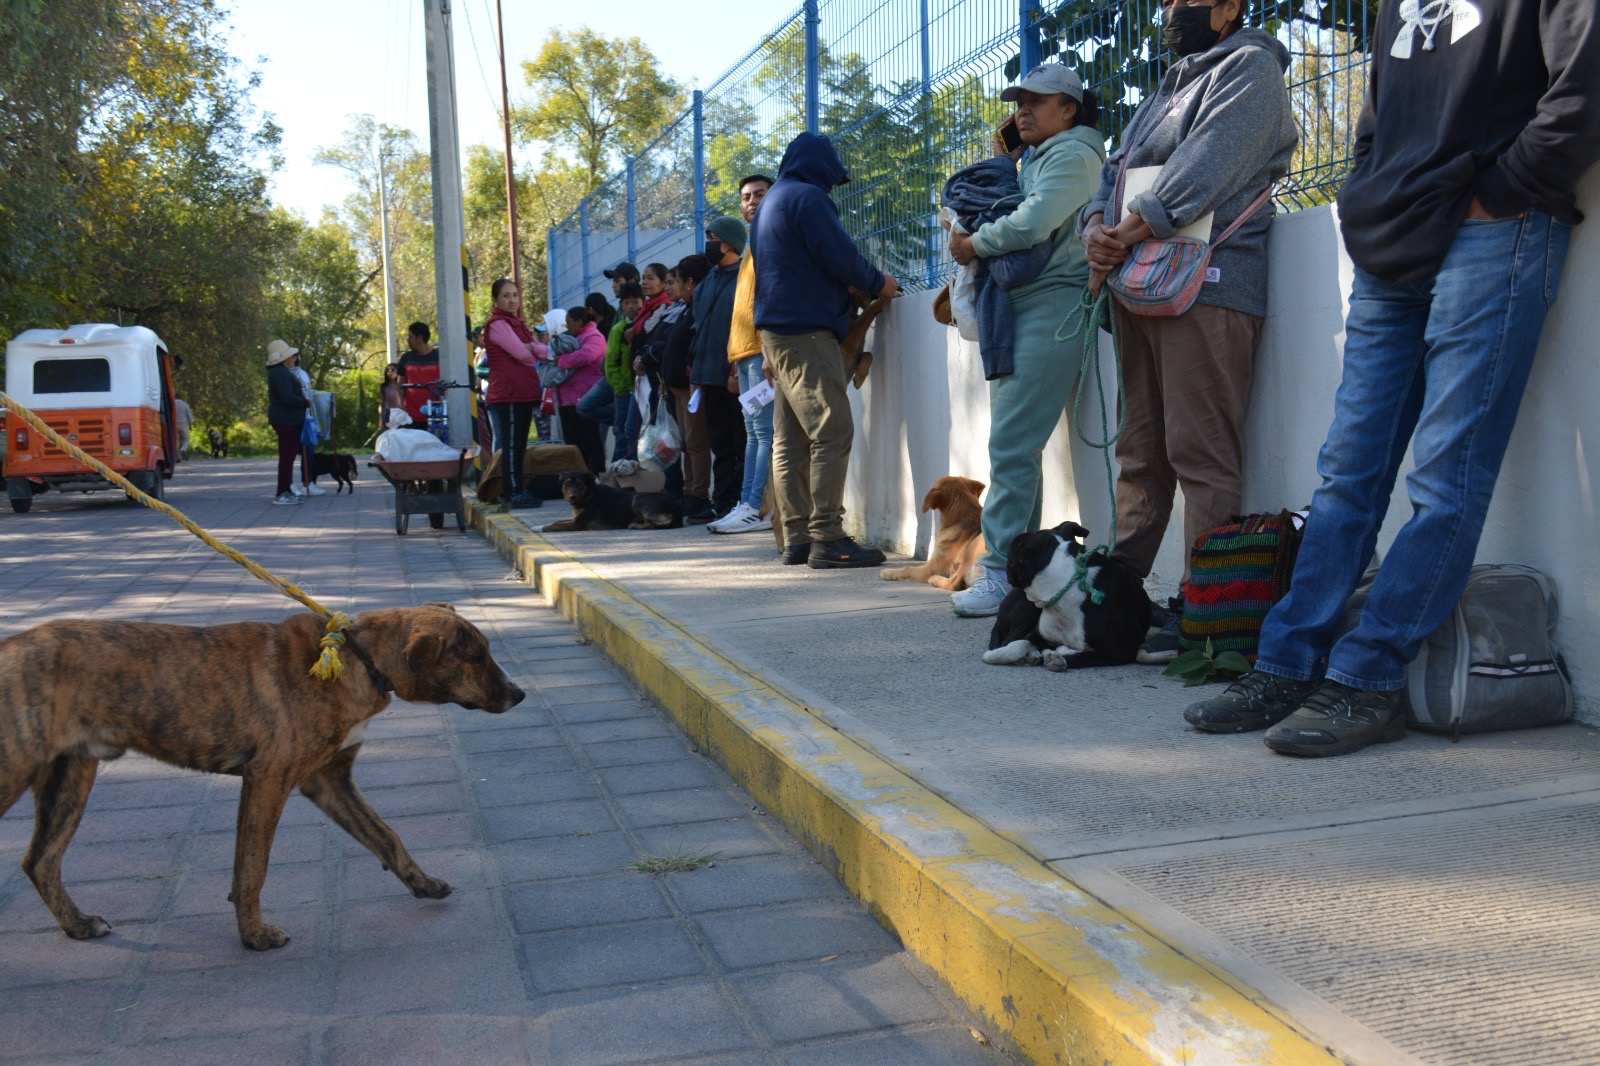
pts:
[619, 359]
[1057, 179]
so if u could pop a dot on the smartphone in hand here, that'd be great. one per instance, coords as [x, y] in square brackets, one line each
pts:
[1010, 136]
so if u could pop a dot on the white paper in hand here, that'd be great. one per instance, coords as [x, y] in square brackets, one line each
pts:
[757, 396]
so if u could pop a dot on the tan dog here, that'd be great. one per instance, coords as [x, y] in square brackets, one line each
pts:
[228, 699]
[960, 540]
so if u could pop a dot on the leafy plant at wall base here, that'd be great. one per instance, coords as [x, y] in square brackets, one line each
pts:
[1200, 667]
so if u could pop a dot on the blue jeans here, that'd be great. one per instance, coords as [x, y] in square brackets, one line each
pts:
[1441, 363]
[757, 435]
[625, 428]
[599, 404]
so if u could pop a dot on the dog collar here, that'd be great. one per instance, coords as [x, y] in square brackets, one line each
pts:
[380, 681]
[1080, 577]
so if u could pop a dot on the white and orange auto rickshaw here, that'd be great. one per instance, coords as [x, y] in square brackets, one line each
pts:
[107, 389]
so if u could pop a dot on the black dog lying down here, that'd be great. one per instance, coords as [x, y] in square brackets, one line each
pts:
[597, 506]
[1074, 631]
[342, 468]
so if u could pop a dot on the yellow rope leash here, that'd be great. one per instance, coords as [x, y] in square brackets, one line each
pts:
[328, 666]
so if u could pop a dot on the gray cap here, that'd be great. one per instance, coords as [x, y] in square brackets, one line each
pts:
[1046, 79]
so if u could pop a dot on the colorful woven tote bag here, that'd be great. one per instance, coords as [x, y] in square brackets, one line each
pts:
[1237, 572]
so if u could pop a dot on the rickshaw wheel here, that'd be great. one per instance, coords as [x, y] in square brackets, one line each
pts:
[21, 506]
[436, 520]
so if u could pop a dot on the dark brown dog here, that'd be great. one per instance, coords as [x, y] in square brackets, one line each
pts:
[960, 540]
[600, 506]
[228, 699]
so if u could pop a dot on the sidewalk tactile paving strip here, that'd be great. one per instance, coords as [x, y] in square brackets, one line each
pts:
[1467, 944]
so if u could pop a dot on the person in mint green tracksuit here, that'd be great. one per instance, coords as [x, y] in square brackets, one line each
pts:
[1056, 118]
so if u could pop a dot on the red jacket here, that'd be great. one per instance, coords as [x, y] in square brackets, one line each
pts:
[511, 376]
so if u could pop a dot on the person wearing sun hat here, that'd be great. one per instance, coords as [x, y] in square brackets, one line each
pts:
[286, 413]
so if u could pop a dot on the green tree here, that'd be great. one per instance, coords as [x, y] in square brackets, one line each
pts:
[408, 183]
[320, 297]
[596, 99]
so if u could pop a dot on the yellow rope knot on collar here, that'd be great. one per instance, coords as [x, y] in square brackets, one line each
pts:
[328, 667]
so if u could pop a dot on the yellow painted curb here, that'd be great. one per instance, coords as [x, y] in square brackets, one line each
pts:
[1063, 977]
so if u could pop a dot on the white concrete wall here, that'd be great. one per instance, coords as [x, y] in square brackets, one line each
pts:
[924, 413]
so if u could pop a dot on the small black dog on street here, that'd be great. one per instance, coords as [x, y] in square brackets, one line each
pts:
[597, 506]
[342, 468]
[219, 444]
[1072, 631]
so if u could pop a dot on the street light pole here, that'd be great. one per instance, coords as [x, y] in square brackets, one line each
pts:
[511, 181]
[449, 225]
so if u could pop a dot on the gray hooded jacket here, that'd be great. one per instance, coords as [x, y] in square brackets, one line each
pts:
[1230, 136]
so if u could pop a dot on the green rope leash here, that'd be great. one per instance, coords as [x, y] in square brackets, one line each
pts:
[1092, 313]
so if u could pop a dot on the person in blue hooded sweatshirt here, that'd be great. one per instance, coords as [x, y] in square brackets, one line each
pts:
[806, 265]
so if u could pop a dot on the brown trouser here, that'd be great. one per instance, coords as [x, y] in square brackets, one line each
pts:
[812, 431]
[696, 446]
[1185, 388]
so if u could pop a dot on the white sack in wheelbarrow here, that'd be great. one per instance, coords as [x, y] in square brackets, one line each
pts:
[413, 446]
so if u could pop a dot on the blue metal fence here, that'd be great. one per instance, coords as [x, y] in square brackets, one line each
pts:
[910, 92]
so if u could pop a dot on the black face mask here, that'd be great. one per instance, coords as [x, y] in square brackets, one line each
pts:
[1187, 30]
[713, 251]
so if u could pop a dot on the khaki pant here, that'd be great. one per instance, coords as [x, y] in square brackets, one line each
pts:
[1185, 389]
[696, 447]
[812, 432]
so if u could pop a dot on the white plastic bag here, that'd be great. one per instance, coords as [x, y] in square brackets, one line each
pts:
[963, 303]
[660, 441]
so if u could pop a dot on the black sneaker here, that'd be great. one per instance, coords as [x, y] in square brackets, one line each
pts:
[1337, 719]
[1255, 701]
[842, 554]
[797, 554]
[697, 512]
[1164, 644]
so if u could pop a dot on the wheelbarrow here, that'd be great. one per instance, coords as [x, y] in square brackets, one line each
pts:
[432, 488]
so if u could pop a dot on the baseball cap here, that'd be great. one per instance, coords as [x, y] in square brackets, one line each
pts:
[623, 269]
[1047, 79]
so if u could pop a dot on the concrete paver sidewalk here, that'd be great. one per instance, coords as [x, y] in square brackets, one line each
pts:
[549, 951]
[1118, 883]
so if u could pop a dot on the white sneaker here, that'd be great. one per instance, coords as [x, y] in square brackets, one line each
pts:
[747, 520]
[298, 490]
[983, 598]
[313, 490]
[740, 509]
[286, 498]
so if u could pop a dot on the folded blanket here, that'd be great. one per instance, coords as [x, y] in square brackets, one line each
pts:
[978, 194]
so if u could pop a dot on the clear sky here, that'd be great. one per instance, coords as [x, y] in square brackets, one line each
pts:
[322, 61]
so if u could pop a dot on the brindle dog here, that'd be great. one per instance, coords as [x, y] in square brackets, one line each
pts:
[228, 699]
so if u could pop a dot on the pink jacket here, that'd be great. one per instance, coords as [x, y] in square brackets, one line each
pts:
[589, 360]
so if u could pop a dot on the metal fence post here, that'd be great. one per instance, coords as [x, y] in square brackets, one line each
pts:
[699, 167]
[1028, 31]
[583, 237]
[633, 244]
[549, 266]
[927, 143]
[813, 66]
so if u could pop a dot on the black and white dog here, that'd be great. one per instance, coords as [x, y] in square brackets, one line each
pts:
[1047, 617]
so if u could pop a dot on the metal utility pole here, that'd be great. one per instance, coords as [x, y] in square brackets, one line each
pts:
[391, 344]
[449, 225]
[511, 181]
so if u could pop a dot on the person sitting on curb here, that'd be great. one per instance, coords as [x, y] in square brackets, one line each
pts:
[806, 265]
